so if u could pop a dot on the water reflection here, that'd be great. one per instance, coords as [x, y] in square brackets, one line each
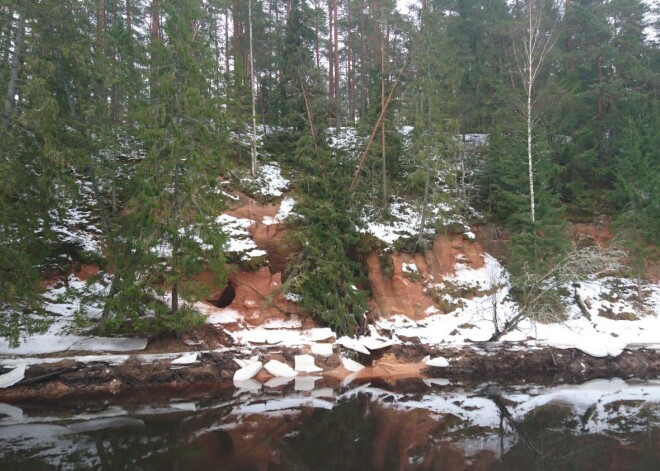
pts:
[603, 424]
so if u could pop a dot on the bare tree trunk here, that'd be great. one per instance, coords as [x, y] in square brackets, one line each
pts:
[177, 238]
[363, 68]
[530, 162]
[129, 18]
[101, 94]
[317, 46]
[363, 157]
[100, 24]
[253, 162]
[155, 20]
[383, 147]
[336, 59]
[154, 35]
[308, 109]
[227, 72]
[425, 202]
[331, 67]
[350, 93]
[12, 87]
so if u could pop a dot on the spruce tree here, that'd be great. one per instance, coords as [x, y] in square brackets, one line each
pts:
[168, 233]
[43, 144]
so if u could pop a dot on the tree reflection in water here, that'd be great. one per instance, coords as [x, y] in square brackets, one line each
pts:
[608, 425]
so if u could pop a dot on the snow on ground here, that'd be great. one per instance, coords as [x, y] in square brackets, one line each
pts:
[475, 139]
[76, 227]
[286, 207]
[62, 302]
[491, 275]
[346, 139]
[472, 319]
[269, 181]
[239, 240]
[404, 221]
[616, 319]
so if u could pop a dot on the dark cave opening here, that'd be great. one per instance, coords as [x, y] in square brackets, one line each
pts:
[227, 296]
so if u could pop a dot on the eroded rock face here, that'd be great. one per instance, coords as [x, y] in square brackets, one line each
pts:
[396, 295]
[599, 233]
[253, 290]
[404, 293]
[266, 231]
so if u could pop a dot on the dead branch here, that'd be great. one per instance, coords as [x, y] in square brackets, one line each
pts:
[363, 158]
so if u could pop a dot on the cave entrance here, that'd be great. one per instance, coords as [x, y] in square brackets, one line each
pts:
[227, 296]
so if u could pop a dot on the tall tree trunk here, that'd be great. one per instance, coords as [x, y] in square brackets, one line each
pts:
[12, 87]
[253, 160]
[317, 45]
[100, 24]
[425, 203]
[154, 36]
[99, 88]
[536, 45]
[131, 65]
[227, 72]
[129, 19]
[154, 31]
[336, 59]
[350, 93]
[383, 146]
[530, 85]
[308, 109]
[530, 163]
[176, 243]
[331, 67]
[363, 67]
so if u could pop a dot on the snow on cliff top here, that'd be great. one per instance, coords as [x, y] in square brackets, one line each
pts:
[404, 221]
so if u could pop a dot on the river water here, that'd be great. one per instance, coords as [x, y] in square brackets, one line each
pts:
[305, 424]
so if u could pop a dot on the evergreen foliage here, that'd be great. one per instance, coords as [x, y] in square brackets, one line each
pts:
[173, 202]
[124, 110]
[325, 273]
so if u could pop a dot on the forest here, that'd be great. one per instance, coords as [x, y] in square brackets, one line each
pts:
[136, 121]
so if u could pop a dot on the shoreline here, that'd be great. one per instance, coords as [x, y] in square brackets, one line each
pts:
[120, 375]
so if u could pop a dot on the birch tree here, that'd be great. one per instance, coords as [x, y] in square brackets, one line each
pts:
[531, 47]
[253, 161]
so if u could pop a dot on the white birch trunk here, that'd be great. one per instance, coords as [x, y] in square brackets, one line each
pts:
[536, 47]
[253, 162]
